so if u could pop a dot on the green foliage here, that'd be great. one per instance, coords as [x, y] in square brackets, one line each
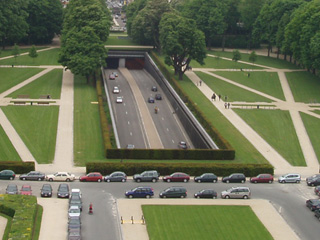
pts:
[18, 167]
[33, 52]
[7, 150]
[236, 55]
[193, 169]
[132, 11]
[15, 52]
[253, 57]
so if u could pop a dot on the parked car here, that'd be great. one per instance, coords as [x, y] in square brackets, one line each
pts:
[174, 192]
[206, 177]
[182, 145]
[12, 189]
[317, 214]
[140, 192]
[63, 191]
[154, 89]
[7, 174]
[290, 178]
[60, 176]
[130, 146]
[147, 176]
[150, 100]
[74, 211]
[116, 89]
[313, 204]
[177, 177]
[235, 178]
[112, 77]
[26, 190]
[74, 223]
[33, 175]
[75, 201]
[115, 74]
[116, 177]
[46, 190]
[317, 190]
[91, 177]
[119, 100]
[74, 234]
[75, 192]
[313, 180]
[206, 193]
[262, 178]
[236, 192]
[158, 96]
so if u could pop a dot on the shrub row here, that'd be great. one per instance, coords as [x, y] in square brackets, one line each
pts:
[210, 129]
[194, 169]
[18, 167]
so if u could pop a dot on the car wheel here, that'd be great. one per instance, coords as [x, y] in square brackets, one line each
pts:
[199, 181]
[108, 180]
[182, 196]
[168, 180]
[154, 180]
[312, 184]
[214, 197]
[227, 197]
[198, 197]
[147, 196]
[123, 180]
[99, 180]
[242, 181]
[227, 181]
[282, 181]
[270, 181]
[50, 179]
[185, 180]
[297, 181]
[164, 196]
[255, 182]
[39, 179]
[245, 197]
[23, 179]
[130, 196]
[214, 181]
[11, 178]
[84, 180]
[68, 180]
[138, 180]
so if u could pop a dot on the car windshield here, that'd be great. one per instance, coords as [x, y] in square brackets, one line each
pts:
[46, 188]
[75, 210]
[74, 221]
[25, 189]
[10, 187]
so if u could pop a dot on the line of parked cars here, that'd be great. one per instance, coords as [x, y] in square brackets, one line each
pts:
[74, 214]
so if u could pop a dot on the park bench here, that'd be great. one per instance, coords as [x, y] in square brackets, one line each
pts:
[23, 96]
[45, 96]
[40, 103]
[19, 102]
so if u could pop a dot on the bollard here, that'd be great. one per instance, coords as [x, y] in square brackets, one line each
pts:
[142, 218]
[132, 219]
[121, 219]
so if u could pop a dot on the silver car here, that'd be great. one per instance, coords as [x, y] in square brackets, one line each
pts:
[237, 192]
[290, 178]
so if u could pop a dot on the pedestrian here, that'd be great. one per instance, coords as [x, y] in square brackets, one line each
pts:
[225, 98]
[200, 82]
[219, 97]
[214, 96]
[248, 74]
[228, 105]
[225, 105]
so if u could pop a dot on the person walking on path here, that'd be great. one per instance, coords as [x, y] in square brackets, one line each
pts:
[225, 105]
[219, 97]
[213, 97]
[228, 105]
[200, 82]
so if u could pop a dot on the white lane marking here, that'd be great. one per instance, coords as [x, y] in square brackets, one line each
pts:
[168, 129]
[126, 112]
[280, 208]
[172, 141]
[128, 122]
[130, 133]
[162, 118]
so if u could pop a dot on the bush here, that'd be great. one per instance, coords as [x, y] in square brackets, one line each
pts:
[18, 167]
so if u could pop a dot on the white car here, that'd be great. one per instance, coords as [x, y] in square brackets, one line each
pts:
[75, 192]
[60, 176]
[119, 100]
[116, 90]
[74, 211]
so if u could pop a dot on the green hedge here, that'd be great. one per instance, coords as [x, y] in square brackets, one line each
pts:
[195, 169]
[18, 167]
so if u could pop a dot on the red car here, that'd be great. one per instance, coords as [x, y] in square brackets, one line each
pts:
[26, 190]
[92, 177]
[262, 178]
[177, 177]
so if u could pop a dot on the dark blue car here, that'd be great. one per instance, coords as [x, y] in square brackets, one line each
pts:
[140, 192]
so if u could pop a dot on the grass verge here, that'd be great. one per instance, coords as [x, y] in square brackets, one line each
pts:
[37, 223]
[7, 150]
[121, 40]
[276, 127]
[8, 52]
[8, 226]
[49, 83]
[37, 127]
[203, 222]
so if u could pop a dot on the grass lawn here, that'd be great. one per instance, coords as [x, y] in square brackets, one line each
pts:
[88, 143]
[266, 82]
[233, 92]
[203, 222]
[8, 52]
[120, 40]
[316, 111]
[49, 83]
[276, 127]
[305, 86]
[312, 126]
[13, 76]
[262, 60]
[49, 57]
[7, 151]
[37, 127]
[218, 63]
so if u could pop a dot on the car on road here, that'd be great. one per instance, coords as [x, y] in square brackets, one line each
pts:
[154, 89]
[236, 192]
[12, 189]
[92, 177]
[147, 176]
[60, 176]
[116, 177]
[26, 190]
[313, 180]
[112, 77]
[182, 145]
[75, 192]
[116, 89]
[140, 192]
[74, 223]
[74, 211]
[63, 191]
[313, 204]
[33, 175]
[317, 214]
[317, 190]
[177, 177]
[262, 178]
[174, 192]
[75, 201]
[158, 96]
[150, 100]
[130, 146]
[206, 177]
[119, 100]
[235, 178]
[7, 175]
[74, 234]
[206, 193]
[46, 190]
[290, 178]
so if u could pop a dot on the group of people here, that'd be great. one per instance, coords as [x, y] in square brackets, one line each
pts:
[214, 96]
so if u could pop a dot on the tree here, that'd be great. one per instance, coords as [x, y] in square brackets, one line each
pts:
[33, 52]
[253, 57]
[132, 11]
[16, 52]
[181, 42]
[236, 56]
[13, 21]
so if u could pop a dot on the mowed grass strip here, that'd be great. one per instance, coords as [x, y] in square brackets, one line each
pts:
[266, 82]
[7, 151]
[120, 40]
[261, 60]
[276, 127]
[37, 127]
[305, 86]
[8, 52]
[312, 125]
[48, 57]
[49, 83]
[232, 92]
[13, 76]
[177, 222]
[88, 144]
